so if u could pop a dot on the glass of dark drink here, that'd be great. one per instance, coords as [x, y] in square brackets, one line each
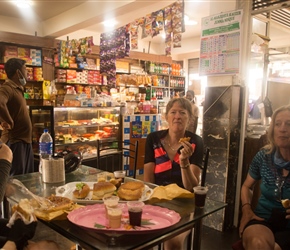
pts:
[200, 195]
[120, 174]
[135, 209]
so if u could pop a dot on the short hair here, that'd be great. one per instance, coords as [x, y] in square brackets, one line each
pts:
[12, 65]
[184, 103]
[271, 146]
[191, 92]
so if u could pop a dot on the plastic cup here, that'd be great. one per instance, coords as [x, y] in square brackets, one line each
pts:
[110, 176]
[200, 195]
[120, 174]
[101, 177]
[110, 202]
[135, 209]
[115, 216]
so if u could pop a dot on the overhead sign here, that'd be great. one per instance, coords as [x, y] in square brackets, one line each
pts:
[220, 43]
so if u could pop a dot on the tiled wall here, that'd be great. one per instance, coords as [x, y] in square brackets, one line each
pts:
[221, 133]
[141, 126]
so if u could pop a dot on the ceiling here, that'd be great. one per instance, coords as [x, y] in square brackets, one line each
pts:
[75, 19]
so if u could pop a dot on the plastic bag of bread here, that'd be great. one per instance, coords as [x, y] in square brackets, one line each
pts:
[24, 210]
[169, 192]
[60, 207]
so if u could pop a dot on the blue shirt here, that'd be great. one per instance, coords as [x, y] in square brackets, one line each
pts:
[262, 168]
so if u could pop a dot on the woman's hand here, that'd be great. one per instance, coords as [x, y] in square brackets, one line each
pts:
[288, 213]
[186, 152]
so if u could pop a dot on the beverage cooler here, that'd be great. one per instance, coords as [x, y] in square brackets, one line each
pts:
[75, 129]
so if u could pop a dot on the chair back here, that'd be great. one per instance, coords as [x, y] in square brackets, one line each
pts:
[115, 155]
[204, 168]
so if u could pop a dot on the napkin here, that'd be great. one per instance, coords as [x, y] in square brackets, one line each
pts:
[169, 192]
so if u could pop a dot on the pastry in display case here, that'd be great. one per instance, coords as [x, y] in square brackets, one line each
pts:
[75, 128]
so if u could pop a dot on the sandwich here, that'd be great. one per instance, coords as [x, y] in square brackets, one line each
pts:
[286, 203]
[82, 190]
[131, 190]
[183, 139]
[101, 189]
[57, 206]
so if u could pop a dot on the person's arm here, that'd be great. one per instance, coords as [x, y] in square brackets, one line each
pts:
[149, 160]
[5, 166]
[149, 172]
[189, 172]
[5, 118]
[246, 199]
[9, 245]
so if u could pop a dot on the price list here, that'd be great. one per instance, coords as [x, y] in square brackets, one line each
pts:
[220, 44]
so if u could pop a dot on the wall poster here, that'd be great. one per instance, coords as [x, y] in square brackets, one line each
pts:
[220, 43]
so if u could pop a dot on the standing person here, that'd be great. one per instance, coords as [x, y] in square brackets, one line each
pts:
[14, 117]
[268, 226]
[192, 125]
[167, 160]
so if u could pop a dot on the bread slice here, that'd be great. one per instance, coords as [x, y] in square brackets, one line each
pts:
[285, 203]
[183, 139]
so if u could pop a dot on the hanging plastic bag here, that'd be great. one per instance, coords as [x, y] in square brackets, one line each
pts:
[268, 107]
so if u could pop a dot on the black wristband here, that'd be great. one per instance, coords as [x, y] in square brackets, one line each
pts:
[247, 203]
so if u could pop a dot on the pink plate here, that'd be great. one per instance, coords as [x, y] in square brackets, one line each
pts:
[94, 217]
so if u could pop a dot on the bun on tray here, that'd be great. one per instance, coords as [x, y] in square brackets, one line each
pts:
[102, 188]
[82, 190]
[131, 190]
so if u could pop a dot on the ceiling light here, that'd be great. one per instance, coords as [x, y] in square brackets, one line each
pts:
[189, 22]
[110, 23]
[23, 3]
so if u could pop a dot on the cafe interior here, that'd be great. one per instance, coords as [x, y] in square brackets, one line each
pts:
[232, 122]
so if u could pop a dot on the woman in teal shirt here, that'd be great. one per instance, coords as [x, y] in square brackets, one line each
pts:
[268, 226]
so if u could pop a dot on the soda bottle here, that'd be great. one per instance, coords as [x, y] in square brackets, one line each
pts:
[45, 147]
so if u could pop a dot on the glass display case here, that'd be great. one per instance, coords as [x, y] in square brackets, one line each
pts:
[75, 128]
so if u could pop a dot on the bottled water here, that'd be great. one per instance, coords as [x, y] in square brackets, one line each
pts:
[45, 147]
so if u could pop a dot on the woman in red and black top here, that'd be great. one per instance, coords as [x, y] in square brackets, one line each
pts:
[167, 160]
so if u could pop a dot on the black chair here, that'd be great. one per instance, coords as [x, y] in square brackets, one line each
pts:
[112, 155]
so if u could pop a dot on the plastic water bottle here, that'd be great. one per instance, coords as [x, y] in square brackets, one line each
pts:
[45, 147]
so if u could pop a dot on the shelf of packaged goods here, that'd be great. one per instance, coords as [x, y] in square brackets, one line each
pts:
[160, 87]
[88, 126]
[77, 83]
[79, 69]
[58, 144]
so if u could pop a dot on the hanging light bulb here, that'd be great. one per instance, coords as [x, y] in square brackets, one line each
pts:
[23, 3]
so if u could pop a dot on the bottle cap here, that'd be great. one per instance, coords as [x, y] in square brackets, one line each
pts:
[45, 130]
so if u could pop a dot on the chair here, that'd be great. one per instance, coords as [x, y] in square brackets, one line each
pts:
[202, 183]
[115, 155]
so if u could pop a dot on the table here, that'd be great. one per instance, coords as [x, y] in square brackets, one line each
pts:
[90, 239]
